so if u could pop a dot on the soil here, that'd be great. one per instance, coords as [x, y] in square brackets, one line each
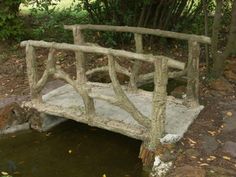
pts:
[208, 146]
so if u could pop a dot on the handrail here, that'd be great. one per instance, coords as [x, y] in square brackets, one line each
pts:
[141, 30]
[121, 100]
[106, 51]
[138, 33]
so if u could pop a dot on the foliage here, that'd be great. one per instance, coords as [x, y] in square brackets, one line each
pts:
[146, 13]
[45, 6]
[10, 23]
[46, 21]
[176, 15]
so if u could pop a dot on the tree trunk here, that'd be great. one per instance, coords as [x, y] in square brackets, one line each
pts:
[219, 58]
[205, 9]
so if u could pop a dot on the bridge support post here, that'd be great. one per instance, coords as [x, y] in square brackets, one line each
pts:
[32, 73]
[148, 149]
[193, 74]
[81, 76]
[139, 49]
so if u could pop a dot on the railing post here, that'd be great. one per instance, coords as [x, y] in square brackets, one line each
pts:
[193, 74]
[158, 115]
[135, 69]
[81, 76]
[32, 73]
[159, 102]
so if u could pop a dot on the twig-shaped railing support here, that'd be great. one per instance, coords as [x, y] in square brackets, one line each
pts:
[193, 74]
[36, 85]
[138, 32]
[81, 75]
[32, 73]
[122, 99]
[50, 69]
[159, 103]
[119, 69]
[158, 116]
[139, 49]
[191, 69]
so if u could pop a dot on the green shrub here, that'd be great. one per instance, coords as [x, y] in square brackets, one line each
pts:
[10, 23]
[47, 22]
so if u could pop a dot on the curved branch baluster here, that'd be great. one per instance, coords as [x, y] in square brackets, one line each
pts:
[123, 100]
[81, 78]
[119, 69]
[50, 69]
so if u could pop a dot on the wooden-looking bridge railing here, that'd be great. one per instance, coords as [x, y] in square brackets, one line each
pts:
[191, 69]
[155, 124]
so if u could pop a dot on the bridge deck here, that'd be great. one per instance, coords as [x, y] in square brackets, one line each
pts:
[66, 102]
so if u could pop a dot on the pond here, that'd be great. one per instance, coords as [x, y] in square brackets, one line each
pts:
[70, 150]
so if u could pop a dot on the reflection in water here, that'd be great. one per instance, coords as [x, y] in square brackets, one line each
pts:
[70, 150]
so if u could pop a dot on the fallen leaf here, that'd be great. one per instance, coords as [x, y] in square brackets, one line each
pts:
[193, 142]
[211, 158]
[212, 133]
[229, 114]
[4, 173]
[226, 158]
[204, 164]
[219, 142]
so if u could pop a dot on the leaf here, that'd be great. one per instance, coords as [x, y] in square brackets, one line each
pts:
[191, 141]
[211, 158]
[204, 164]
[229, 114]
[226, 158]
[212, 133]
[4, 173]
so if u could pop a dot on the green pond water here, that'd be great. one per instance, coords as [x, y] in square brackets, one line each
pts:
[70, 150]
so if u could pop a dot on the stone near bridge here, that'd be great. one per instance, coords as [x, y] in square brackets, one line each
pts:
[13, 118]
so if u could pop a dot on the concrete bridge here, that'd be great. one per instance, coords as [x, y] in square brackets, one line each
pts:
[148, 116]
